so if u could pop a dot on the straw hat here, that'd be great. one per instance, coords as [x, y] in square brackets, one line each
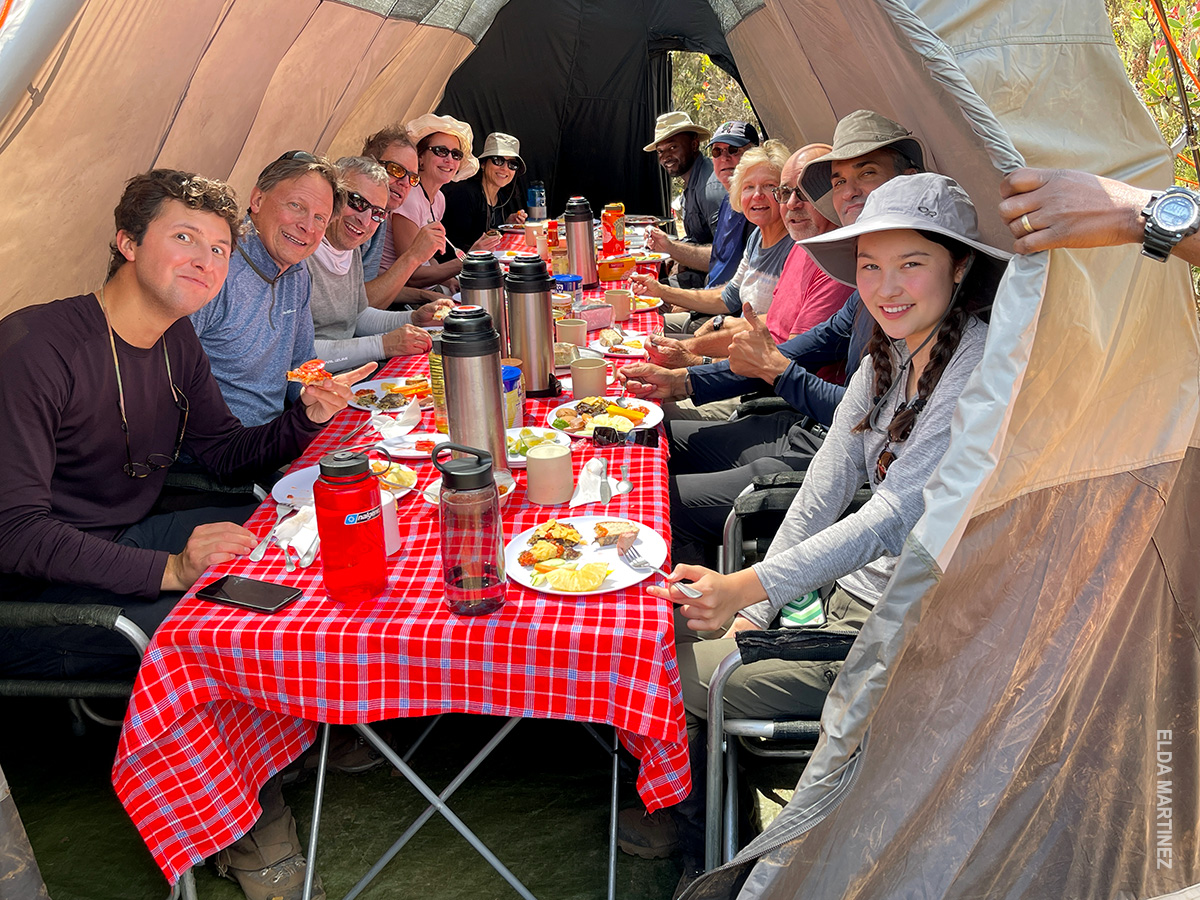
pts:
[423, 126]
[500, 144]
[856, 135]
[924, 202]
[672, 123]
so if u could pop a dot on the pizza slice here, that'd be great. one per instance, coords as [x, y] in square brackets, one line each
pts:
[311, 372]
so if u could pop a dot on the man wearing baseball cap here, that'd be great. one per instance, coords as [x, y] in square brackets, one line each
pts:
[677, 142]
[728, 142]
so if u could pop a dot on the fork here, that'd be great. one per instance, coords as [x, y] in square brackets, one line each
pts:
[634, 560]
[282, 511]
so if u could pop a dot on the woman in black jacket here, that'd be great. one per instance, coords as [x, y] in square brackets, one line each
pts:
[478, 206]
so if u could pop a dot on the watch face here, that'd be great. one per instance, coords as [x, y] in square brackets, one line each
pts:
[1176, 211]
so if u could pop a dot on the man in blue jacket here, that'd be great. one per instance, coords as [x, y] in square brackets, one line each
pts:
[712, 463]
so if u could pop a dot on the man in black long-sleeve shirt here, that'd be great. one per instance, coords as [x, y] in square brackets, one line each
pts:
[100, 394]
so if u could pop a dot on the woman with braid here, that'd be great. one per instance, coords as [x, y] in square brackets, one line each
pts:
[917, 259]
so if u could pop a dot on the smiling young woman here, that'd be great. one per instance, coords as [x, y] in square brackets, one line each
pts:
[478, 206]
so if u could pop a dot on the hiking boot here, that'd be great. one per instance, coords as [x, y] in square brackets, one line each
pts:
[352, 753]
[282, 881]
[648, 835]
[691, 871]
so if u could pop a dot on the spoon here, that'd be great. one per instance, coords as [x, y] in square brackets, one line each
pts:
[624, 486]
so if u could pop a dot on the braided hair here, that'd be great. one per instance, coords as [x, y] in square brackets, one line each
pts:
[964, 303]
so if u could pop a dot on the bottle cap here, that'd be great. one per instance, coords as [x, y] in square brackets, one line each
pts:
[345, 464]
[469, 472]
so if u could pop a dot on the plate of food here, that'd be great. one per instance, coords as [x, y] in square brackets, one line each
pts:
[579, 418]
[578, 556]
[296, 487]
[611, 342]
[389, 394]
[505, 484]
[645, 304]
[642, 221]
[415, 445]
[519, 441]
[512, 229]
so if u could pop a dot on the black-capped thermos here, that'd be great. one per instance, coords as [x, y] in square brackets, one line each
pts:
[531, 323]
[474, 392]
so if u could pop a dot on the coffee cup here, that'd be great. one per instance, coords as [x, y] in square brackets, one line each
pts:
[589, 377]
[572, 331]
[622, 303]
[549, 475]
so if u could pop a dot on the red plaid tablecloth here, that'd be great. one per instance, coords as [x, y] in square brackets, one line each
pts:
[225, 697]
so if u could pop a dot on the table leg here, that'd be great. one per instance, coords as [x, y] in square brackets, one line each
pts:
[437, 804]
[322, 763]
[611, 750]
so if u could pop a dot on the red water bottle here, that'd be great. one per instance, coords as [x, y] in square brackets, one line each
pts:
[350, 523]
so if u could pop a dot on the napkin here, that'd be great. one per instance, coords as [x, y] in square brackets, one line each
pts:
[588, 488]
[392, 428]
[300, 531]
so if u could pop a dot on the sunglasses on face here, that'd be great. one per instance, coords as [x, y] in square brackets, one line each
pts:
[498, 161]
[442, 152]
[604, 435]
[783, 194]
[718, 151]
[359, 203]
[399, 172]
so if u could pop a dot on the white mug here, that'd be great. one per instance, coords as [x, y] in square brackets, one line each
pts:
[589, 377]
[572, 331]
[622, 303]
[549, 475]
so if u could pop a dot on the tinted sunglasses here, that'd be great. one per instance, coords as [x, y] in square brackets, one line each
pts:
[442, 152]
[359, 203]
[783, 194]
[398, 171]
[302, 155]
[604, 435]
[717, 151]
[514, 164]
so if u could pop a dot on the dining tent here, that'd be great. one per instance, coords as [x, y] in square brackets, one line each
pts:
[1018, 719]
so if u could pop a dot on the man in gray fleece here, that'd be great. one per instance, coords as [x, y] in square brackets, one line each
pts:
[348, 331]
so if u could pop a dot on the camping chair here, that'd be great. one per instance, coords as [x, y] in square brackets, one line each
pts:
[77, 692]
[756, 516]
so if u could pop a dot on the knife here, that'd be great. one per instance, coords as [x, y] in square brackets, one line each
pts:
[605, 490]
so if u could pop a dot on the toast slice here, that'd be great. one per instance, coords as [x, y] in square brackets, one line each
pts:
[608, 532]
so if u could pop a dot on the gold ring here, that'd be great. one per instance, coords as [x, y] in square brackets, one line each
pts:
[1029, 229]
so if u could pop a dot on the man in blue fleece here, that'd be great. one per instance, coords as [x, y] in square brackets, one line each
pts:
[259, 326]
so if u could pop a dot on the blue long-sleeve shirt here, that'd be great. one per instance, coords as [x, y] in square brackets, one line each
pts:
[843, 335]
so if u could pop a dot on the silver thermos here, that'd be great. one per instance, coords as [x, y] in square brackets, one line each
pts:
[474, 392]
[581, 241]
[531, 323]
[482, 284]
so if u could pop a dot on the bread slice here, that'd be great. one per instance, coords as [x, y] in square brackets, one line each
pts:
[608, 532]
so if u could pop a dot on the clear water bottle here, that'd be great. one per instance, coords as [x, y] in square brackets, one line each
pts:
[472, 532]
[350, 523]
[536, 197]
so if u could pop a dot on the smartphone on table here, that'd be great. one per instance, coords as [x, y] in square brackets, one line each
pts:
[249, 593]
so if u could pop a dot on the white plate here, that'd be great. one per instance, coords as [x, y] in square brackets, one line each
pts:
[655, 303]
[377, 387]
[654, 415]
[649, 544]
[296, 487]
[634, 352]
[432, 492]
[403, 448]
[557, 437]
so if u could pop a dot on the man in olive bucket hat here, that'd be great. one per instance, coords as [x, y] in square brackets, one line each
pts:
[677, 142]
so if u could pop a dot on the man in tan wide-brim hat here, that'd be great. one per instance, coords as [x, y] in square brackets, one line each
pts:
[677, 143]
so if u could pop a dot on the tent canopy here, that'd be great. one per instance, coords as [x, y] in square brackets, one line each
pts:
[1042, 622]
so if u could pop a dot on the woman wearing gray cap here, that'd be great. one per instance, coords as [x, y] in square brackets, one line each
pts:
[916, 256]
[477, 207]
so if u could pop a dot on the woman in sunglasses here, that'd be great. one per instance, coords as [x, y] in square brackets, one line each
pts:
[477, 207]
[916, 257]
[444, 155]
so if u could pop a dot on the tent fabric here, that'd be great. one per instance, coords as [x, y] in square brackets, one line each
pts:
[580, 85]
[1042, 622]
[996, 631]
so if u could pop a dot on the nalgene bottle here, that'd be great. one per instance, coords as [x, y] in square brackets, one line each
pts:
[472, 532]
[350, 523]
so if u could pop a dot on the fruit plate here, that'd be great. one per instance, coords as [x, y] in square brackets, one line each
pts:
[548, 435]
[654, 415]
[649, 544]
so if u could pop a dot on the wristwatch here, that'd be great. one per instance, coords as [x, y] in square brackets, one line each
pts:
[1171, 215]
[718, 321]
